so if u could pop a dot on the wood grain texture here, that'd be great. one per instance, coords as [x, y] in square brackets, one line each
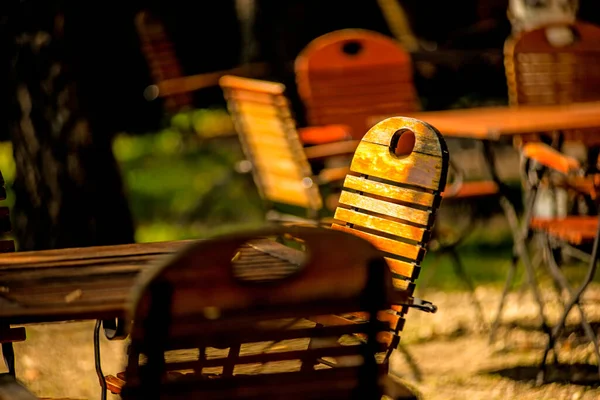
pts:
[347, 75]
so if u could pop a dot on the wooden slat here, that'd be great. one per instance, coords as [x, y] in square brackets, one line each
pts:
[408, 251]
[234, 82]
[381, 224]
[417, 169]
[402, 212]
[391, 192]
[403, 268]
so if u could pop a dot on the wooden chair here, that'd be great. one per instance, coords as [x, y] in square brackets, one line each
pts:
[9, 387]
[275, 155]
[8, 335]
[540, 73]
[203, 298]
[392, 194]
[347, 76]
[351, 75]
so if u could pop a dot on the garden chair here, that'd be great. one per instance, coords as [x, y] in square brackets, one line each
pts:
[275, 155]
[540, 72]
[8, 335]
[9, 387]
[207, 296]
[350, 76]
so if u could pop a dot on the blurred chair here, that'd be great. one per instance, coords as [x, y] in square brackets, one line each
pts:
[348, 77]
[539, 72]
[207, 296]
[10, 388]
[275, 155]
[8, 335]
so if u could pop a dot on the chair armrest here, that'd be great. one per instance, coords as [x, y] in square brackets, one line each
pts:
[324, 134]
[551, 158]
[347, 147]
[329, 175]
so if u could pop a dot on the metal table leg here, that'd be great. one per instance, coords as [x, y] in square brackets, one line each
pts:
[520, 235]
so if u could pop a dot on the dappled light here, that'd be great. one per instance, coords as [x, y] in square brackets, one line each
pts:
[300, 200]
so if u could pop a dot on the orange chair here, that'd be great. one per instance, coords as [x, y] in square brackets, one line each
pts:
[347, 76]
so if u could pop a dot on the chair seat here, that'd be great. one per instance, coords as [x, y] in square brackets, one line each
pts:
[575, 229]
[324, 134]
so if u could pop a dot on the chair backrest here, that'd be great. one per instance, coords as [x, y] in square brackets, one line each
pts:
[198, 300]
[347, 76]
[6, 245]
[267, 132]
[160, 55]
[391, 196]
[541, 73]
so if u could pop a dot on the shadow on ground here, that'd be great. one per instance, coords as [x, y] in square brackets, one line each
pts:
[576, 374]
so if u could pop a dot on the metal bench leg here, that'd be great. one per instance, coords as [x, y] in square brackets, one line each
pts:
[574, 300]
[97, 360]
[507, 285]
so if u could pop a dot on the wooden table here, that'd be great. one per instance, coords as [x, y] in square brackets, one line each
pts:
[495, 123]
[95, 282]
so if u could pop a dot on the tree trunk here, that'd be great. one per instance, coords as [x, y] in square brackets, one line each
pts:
[68, 187]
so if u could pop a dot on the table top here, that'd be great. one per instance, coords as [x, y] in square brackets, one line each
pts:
[494, 123]
[92, 282]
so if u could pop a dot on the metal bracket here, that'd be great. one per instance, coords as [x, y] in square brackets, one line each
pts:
[423, 305]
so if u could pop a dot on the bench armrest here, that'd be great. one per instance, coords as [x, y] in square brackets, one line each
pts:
[551, 158]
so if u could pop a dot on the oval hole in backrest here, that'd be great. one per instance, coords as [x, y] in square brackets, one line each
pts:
[562, 36]
[352, 47]
[268, 260]
[403, 143]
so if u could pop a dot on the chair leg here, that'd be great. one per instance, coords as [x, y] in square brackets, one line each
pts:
[460, 272]
[507, 285]
[8, 352]
[574, 299]
[521, 251]
[97, 360]
[234, 352]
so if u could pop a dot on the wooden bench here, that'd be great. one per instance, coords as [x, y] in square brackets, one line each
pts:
[187, 305]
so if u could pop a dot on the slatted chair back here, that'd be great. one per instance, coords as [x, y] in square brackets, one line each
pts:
[160, 55]
[539, 72]
[347, 76]
[392, 194]
[203, 298]
[267, 132]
